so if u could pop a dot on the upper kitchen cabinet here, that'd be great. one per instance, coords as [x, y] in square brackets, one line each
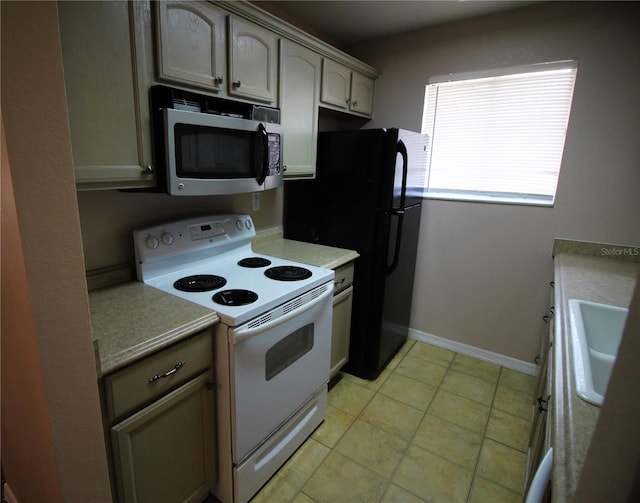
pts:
[299, 94]
[253, 61]
[191, 45]
[345, 89]
[107, 76]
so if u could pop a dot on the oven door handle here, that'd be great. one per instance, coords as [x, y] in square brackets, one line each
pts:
[248, 331]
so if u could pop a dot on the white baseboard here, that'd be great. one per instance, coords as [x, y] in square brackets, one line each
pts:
[9, 497]
[481, 354]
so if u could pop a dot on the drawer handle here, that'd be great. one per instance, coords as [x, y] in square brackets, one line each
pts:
[340, 281]
[168, 373]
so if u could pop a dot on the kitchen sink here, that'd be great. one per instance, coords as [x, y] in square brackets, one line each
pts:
[595, 331]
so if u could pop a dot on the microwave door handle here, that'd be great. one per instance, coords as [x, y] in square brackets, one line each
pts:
[262, 131]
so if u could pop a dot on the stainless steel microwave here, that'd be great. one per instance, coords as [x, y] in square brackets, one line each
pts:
[209, 146]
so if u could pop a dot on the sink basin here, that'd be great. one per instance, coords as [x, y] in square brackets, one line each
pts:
[596, 331]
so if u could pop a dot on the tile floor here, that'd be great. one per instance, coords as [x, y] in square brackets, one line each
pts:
[436, 427]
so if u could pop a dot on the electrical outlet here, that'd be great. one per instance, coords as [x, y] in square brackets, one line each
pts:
[255, 201]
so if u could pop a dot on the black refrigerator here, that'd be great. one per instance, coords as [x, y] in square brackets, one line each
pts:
[366, 197]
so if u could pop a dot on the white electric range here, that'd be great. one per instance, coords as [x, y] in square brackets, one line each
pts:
[272, 344]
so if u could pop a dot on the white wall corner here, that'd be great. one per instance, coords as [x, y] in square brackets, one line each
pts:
[481, 354]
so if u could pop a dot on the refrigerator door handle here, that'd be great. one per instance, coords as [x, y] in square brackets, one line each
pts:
[396, 249]
[401, 149]
[399, 212]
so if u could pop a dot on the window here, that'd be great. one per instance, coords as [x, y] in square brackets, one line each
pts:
[498, 136]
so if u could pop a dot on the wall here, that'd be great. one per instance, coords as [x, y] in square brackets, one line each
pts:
[483, 269]
[108, 218]
[26, 430]
[39, 151]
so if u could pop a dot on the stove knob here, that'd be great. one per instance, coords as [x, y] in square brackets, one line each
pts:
[167, 238]
[152, 242]
[247, 224]
[239, 224]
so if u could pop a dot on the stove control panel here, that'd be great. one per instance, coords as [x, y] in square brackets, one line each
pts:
[191, 235]
[207, 230]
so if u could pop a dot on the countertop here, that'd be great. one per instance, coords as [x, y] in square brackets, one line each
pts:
[272, 243]
[599, 273]
[131, 320]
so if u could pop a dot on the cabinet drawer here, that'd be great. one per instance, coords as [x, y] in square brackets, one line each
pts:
[344, 277]
[147, 379]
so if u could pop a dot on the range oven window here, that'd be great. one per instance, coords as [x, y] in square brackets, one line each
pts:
[286, 351]
[213, 152]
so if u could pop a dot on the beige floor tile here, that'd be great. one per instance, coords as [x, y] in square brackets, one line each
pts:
[397, 358]
[501, 464]
[349, 397]
[460, 410]
[484, 491]
[302, 498]
[513, 401]
[335, 425]
[478, 368]
[509, 430]
[433, 478]
[339, 479]
[365, 383]
[409, 391]
[469, 386]
[372, 447]
[448, 441]
[299, 468]
[421, 370]
[277, 489]
[432, 354]
[396, 494]
[395, 417]
[518, 381]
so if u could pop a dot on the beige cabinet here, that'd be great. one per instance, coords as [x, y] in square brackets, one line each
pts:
[361, 94]
[341, 329]
[299, 94]
[346, 90]
[253, 61]
[159, 415]
[191, 46]
[105, 48]
[540, 438]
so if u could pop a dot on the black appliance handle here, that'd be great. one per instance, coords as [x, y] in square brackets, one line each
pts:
[399, 212]
[262, 131]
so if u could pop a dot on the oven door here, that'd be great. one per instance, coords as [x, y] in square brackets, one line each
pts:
[278, 365]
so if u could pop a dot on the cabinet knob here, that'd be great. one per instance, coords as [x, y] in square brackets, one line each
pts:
[355, 104]
[147, 170]
[218, 80]
[236, 83]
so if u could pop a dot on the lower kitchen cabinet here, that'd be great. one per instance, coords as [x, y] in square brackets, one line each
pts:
[341, 329]
[160, 424]
[164, 453]
[540, 438]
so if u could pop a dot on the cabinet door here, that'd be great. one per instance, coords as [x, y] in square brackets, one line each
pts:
[299, 93]
[166, 451]
[104, 49]
[361, 94]
[341, 329]
[191, 43]
[253, 61]
[336, 84]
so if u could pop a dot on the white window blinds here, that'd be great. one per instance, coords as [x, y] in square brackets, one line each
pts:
[498, 136]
